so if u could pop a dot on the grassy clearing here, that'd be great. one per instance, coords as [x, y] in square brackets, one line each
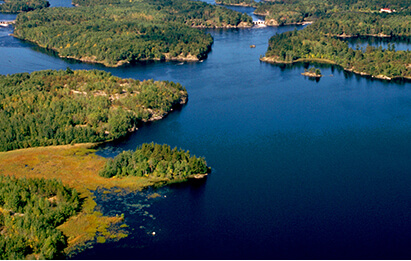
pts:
[76, 166]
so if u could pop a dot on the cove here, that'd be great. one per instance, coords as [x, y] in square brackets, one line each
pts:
[301, 169]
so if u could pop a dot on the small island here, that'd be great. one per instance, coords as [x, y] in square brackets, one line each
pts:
[312, 72]
[157, 161]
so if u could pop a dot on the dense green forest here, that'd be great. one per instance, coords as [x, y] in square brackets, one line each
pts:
[117, 32]
[298, 11]
[312, 43]
[62, 107]
[335, 19]
[251, 3]
[30, 211]
[362, 24]
[154, 160]
[17, 6]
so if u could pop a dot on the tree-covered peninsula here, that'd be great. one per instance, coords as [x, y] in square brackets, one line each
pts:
[373, 61]
[17, 6]
[251, 3]
[280, 12]
[62, 107]
[118, 32]
[155, 160]
[321, 42]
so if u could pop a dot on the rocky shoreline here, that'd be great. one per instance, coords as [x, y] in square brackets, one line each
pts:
[275, 60]
[311, 74]
[230, 4]
[93, 59]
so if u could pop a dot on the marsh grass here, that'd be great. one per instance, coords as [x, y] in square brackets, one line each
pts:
[76, 166]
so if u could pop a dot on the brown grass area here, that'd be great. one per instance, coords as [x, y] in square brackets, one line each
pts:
[76, 166]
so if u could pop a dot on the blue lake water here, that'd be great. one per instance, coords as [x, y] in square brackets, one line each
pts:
[301, 169]
[400, 44]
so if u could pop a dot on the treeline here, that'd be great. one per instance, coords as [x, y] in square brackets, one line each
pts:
[118, 32]
[30, 211]
[200, 14]
[17, 6]
[293, 12]
[357, 24]
[312, 43]
[298, 11]
[154, 160]
[96, 2]
[62, 107]
[251, 3]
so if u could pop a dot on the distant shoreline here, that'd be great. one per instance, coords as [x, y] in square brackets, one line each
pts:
[326, 61]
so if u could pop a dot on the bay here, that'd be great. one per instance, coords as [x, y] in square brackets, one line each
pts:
[301, 169]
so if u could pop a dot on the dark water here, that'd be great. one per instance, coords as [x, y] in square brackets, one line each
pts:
[302, 169]
[398, 43]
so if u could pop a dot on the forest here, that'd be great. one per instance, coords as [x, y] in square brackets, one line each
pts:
[319, 44]
[298, 11]
[323, 41]
[65, 107]
[30, 211]
[155, 160]
[17, 6]
[251, 3]
[118, 32]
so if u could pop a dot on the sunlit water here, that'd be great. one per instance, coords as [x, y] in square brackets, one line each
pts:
[301, 169]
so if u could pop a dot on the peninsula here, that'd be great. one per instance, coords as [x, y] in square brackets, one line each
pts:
[128, 31]
[323, 42]
[66, 107]
[18, 6]
[48, 108]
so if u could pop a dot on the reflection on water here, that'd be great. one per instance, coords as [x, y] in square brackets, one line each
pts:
[398, 43]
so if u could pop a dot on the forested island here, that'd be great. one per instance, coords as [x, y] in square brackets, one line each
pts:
[323, 41]
[156, 160]
[17, 6]
[117, 32]
[66, 107]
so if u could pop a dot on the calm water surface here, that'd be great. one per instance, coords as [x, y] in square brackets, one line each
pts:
[302, 169]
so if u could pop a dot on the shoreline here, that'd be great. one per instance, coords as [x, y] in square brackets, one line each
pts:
[273, 60]
[231, 4]
[312, 75]
[77, 166]
[180, 58]
[88, 59]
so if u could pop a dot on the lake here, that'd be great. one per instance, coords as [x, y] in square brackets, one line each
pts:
[301, 169]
